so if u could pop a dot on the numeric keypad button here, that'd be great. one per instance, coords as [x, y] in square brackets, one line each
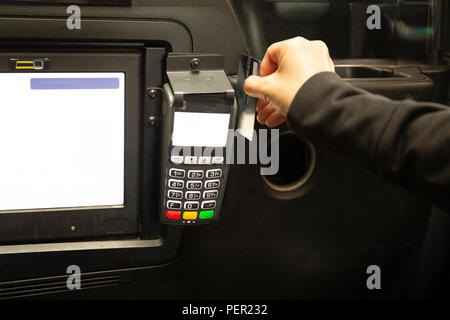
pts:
[209, 204]
[213, 194]
[191, 205]
[174, 205]
[174, 194]
[212, 184]
[176, 184]
[214, 173]
[195, 174]
[176, 173]
[192, 195]
[194, 185]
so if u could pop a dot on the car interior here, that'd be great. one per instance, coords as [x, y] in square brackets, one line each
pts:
[94, 97]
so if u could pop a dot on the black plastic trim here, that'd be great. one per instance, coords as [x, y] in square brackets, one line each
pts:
[147, 31]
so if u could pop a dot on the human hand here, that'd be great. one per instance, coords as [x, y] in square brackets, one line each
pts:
[286, 66]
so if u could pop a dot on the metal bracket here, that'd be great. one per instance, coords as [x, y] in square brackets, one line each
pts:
[191, 74]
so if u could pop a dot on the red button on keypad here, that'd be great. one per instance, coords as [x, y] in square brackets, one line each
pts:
[173, 215]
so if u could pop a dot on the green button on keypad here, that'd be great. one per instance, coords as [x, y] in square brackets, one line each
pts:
[206, 214]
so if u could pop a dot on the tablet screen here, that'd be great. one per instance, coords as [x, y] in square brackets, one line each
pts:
[61, 140]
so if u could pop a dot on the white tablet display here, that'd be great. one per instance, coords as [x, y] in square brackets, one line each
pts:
[61, 140]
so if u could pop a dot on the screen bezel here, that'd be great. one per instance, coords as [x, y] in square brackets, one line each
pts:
[19, 226]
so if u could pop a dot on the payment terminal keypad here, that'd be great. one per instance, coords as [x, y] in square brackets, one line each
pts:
[193, 186]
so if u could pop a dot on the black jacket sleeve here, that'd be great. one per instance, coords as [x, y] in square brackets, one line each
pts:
[405, 142]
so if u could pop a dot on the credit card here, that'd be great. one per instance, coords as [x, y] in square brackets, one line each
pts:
[248, 66]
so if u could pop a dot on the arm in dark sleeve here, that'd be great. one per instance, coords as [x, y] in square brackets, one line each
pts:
[405, 142]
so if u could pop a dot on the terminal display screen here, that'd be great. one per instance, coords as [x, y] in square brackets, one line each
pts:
[198, 129]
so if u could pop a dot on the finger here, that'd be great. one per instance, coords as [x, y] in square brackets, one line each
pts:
[258, 87]
[265, 113]
[275, 120]
[272, 57]
[269, 64]
[325, 53]
[260, 104]
[330, 61]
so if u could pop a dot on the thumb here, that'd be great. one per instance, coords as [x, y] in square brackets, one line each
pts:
[258, 87]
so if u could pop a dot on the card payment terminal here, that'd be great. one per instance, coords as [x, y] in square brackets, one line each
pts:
[199, 110]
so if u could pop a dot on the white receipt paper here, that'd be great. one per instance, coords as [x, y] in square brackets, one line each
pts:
[198, 129]
[61, 140]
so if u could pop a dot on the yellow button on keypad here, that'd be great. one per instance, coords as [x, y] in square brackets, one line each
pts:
[190, 215]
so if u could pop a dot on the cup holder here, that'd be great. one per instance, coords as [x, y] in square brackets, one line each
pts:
[367, 72]
[298, 160]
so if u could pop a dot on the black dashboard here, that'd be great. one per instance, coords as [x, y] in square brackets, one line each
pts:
[307, 233]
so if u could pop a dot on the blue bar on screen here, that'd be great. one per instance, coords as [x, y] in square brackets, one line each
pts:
[73, 83]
